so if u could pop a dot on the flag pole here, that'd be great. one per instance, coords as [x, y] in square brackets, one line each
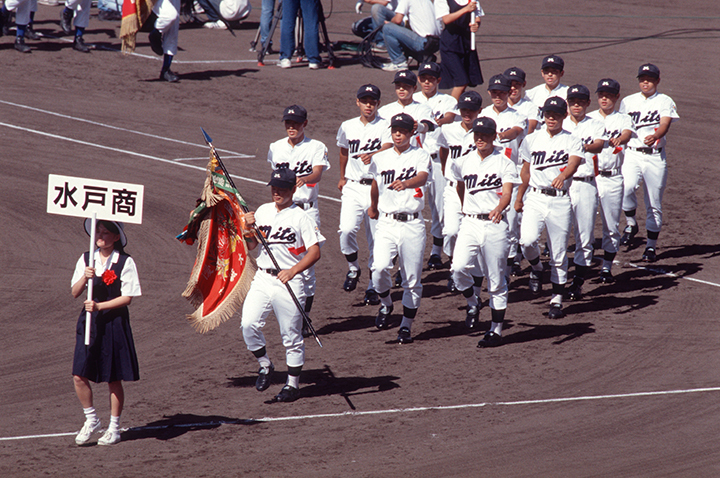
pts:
[260, 236]
[91, 260]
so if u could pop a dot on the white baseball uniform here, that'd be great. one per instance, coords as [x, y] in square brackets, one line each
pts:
[168, 23]
[545, 206]
[289, 233]
[22, 9]
[583, 190]
[643, 163]
[479, 239]
[359, 138]
[418, 111]
[400, 229]
[81, 9]
[529, 110]
[609, 179]
[540, 93]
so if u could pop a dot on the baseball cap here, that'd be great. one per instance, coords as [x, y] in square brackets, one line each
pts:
[499, 82]
[579, 92]
[430, 68]
[470, 100]
[295, 113]
[484, 125]
[369, 90]
[515, 74]
[648, 69]
[556, 104]
[608, 85]
[119, 225]
[402, 120]
[282, 178]
[406, 77]
[553, 61]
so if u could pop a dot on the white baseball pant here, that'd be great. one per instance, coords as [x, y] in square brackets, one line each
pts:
[355, 201]
[583, 198]
[435, 191]
[452, 217]
[610, 191]
[651, 169]
[22, 9]
[168, 23]
[81, 17]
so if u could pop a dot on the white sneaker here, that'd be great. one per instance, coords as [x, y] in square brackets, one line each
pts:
[109, 438]
[87, 430]
[395, 66]
[314, 66]
[218, 25]
[285, 63]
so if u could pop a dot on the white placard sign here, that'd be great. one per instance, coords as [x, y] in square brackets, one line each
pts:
[81, 197]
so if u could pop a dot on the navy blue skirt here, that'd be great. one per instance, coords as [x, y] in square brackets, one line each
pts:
[459, 69]
[111, 354]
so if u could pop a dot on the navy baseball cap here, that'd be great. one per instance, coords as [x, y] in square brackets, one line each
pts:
[484, 125]
[295, 113]
[578, 92]
[553, 61]
[369, 90]
[283, 178]
[403, 120]
[648, 69]
[515, 74]
[556, 104]
[499, 82]
[470, 100]
[608, 85]
[406, 77]
[430, 68]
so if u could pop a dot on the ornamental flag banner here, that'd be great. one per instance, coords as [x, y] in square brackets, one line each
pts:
[223, 269]
[134, 15]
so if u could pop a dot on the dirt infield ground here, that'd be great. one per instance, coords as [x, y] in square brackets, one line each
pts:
[627, 384]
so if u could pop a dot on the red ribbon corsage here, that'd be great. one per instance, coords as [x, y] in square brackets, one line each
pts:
[109, 276]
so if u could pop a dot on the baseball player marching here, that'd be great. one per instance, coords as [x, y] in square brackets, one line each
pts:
[397, 193]
[359, 139]
[552, 70]
[294, 240]
[519, 100]
[550, 158]
[609, 179]
[485, 182]
[645, 159]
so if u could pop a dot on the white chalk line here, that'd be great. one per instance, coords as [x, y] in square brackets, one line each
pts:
[392, 411]
[140, 155]
[669, 274]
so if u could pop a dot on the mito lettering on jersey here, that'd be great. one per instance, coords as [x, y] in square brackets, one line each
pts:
[370, 146]
[283, 235]
[456, 151]
[651, 118]
[542, 161]
[489, 182]
[611, 134]
[302, 169]
[388, 176]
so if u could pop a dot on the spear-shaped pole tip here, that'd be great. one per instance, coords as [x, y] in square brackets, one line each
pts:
[208, 139]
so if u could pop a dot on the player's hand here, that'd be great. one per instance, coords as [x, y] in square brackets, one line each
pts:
[519, 205]
[89, 272]
[91, 306]
[366, 158]
[373, 212]
[397, 185]
[249, 218]
[285, 275]
[496, 215]
[300, 182]
[470, 7]
[558, 182]
[342, 183]
[614, 142]
[650, 140]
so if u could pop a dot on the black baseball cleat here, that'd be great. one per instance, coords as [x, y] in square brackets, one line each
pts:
[546, 250]
[351, 280]
[4, 29]
[398, 279]
[606, 276]
[169, 76]
[404, 336]
[66, 17]
[382, 321]
[31, 34]
[264, 378]
[155, 39]
[21, 46]
[287, 394]
[490, 339]
[556, 311]
[451, 286]
[435, 262]
[535, 282]
[516, 269]
[628, 234]
[649, 255]
[472, 318]
[574, 292]
[79, 45]
[371, 297]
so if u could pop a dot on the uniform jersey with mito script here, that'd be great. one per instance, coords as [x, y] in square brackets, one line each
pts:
[611, 157]
[548, 156]
[458, 142]
[289, 234]
[389, 166]
[418, 111]
[440, 104]
[483, 180]
[505, 120]
[645, 114]
[301, 158]
[587, 130]
[359, 138]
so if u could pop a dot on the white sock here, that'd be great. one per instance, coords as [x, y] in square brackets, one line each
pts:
[472, 301]
[114, 424]
[496, 327]
[264, 361]
[354, 266]
[556, 299]
[90, 414]
[406, 322]
[631, 221]
[386, 301]
[651, 243]
[436, 250]
[294, 381]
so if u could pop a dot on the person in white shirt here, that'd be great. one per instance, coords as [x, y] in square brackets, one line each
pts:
[416, 41]
[552, 70]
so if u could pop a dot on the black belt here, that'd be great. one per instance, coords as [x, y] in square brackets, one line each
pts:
[403, 216]
[482, 217]
[450, 183]
[586, 179]
[364, 181]
[434, 156]
[272, 272]
[608, 173]
[551, 192]
[304, 205]
[647, 150]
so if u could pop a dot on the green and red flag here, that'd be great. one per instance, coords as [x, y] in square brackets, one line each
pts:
[223, 269]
